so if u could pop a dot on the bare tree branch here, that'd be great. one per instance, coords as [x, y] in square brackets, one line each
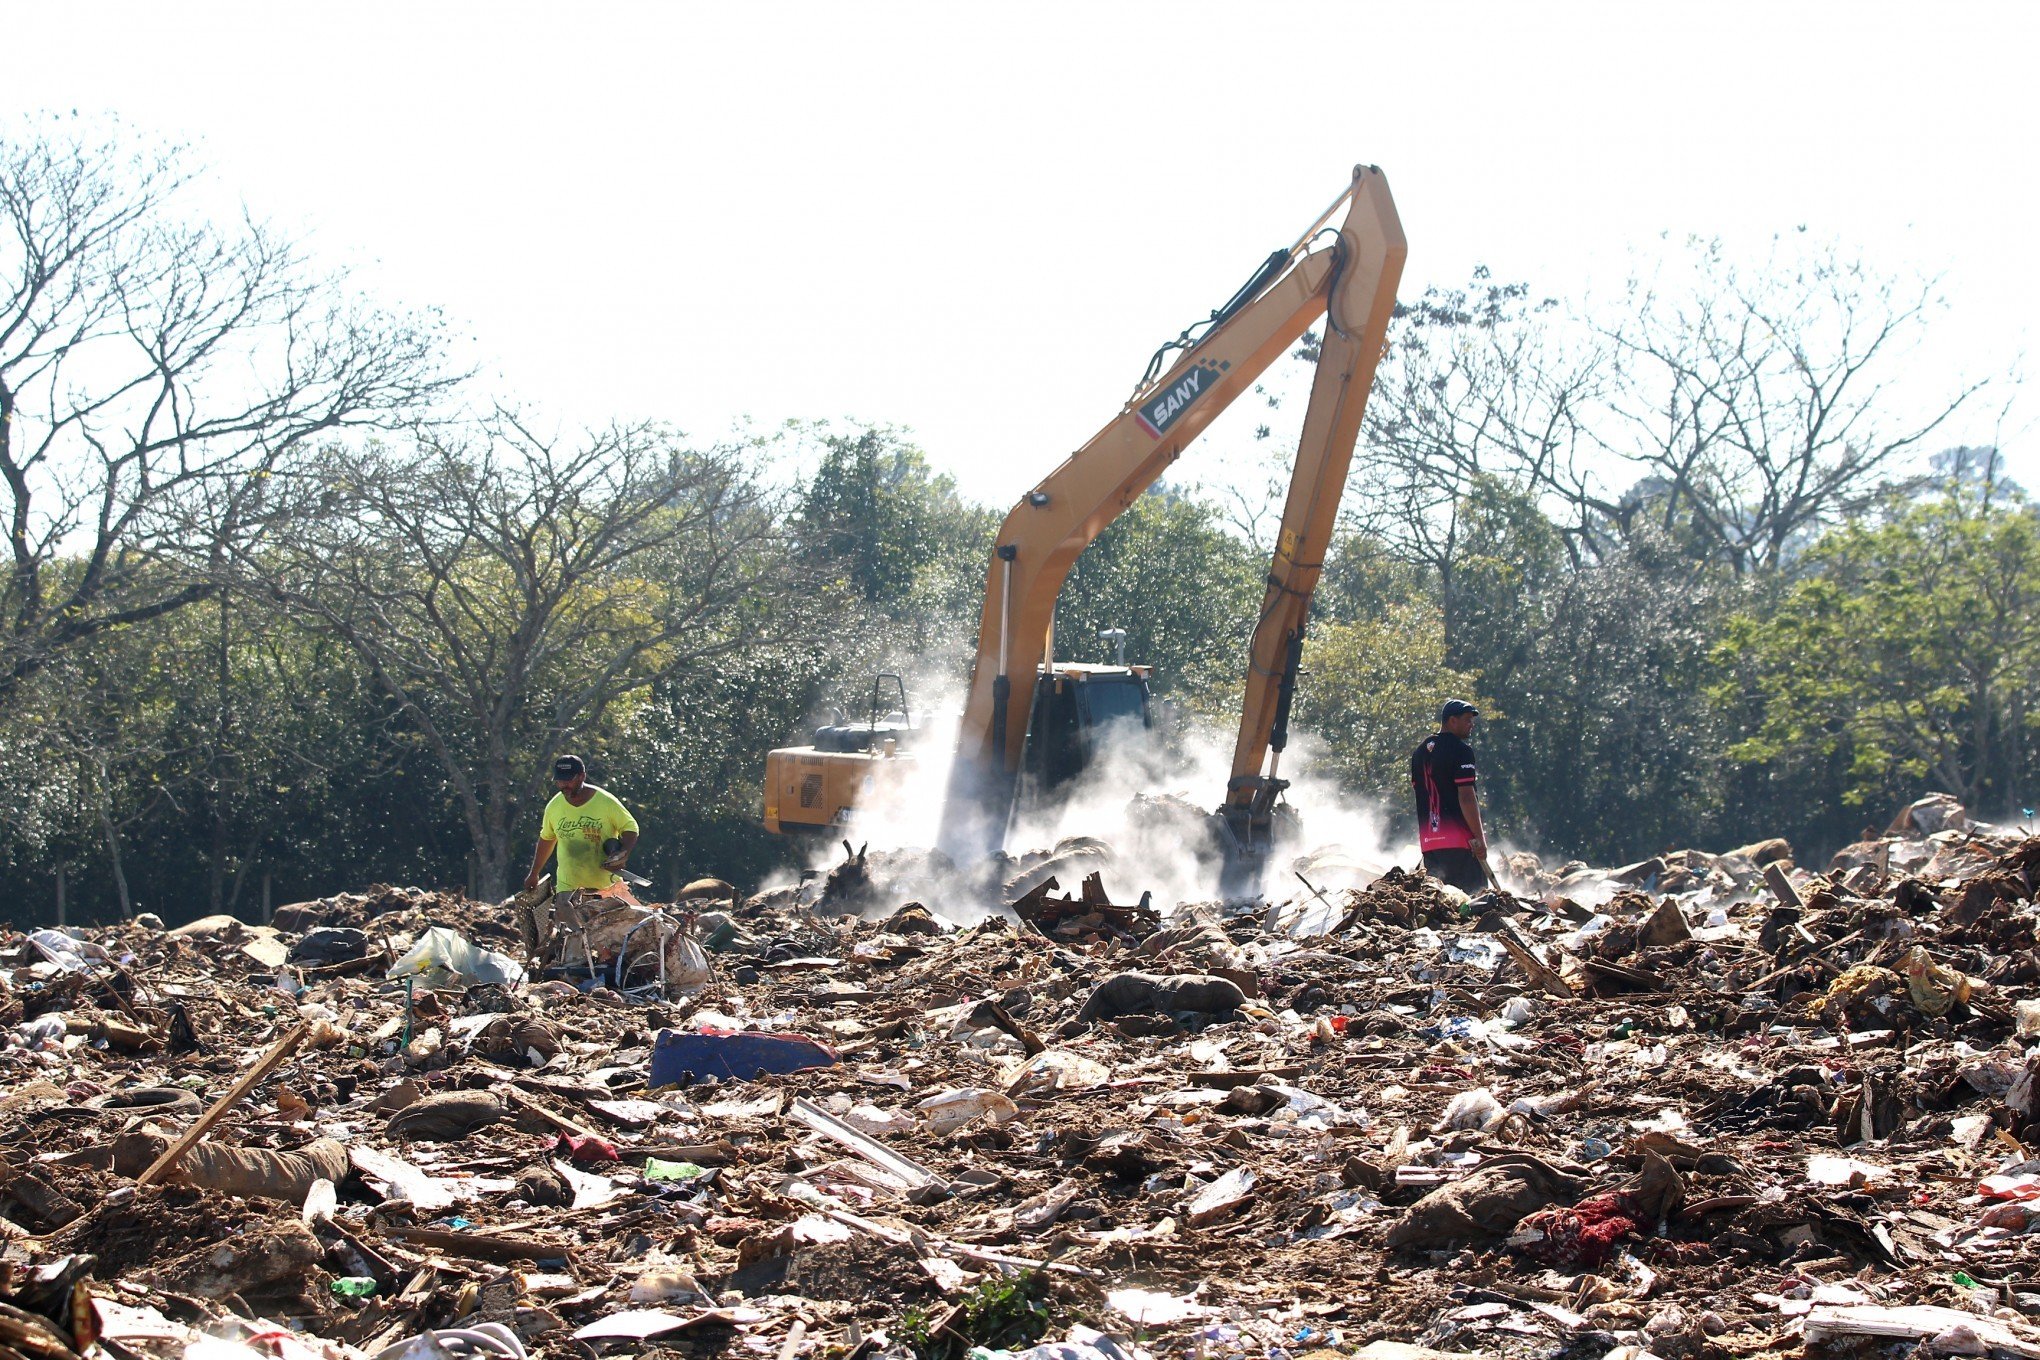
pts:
[154, 373]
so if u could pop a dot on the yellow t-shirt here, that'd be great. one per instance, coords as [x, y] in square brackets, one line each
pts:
[580, 832]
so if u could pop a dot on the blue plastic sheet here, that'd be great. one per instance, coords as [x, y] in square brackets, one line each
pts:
[679, 1057]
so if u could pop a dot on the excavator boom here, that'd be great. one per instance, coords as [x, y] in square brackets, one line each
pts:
[1360, 302]
[1353, 276]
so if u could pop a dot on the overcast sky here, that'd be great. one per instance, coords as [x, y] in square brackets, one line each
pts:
[978, 221]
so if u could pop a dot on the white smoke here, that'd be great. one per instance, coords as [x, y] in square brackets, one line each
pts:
[1345, 841]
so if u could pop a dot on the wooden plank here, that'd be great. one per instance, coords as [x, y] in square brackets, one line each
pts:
[701, 1154]
[1781, 886]
[480, 1246]
[252, 1078]
[1534, 968]
[558, 1121]
[1225, 1081]
[920, 1242]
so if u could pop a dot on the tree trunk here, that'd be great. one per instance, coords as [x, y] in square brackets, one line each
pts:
[2015, 745]
[120, 882]
[1448, 606]
[216, 875]
[493, 852]
[493, 873]
[1982, 756]
[240, 879]
[216, 879]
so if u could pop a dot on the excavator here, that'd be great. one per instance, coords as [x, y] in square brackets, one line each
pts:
[1346, 275]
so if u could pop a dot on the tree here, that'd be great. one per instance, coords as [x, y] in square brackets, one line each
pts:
[1185, 590]
[1733, 408]
[1762, 402]
[694, 760]
[1481, 387]
[1372, 687]
[112, 737]
[1605, 744]
[902, 553]
[292, 767]
[1911, 649]
[509, 594]
[154, 372]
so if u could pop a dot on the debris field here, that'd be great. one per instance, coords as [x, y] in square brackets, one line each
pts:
[1707, 1105]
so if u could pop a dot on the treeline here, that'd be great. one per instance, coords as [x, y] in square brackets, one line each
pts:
[287, 612]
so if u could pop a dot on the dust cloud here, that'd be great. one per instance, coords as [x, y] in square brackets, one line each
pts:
[1139, 816]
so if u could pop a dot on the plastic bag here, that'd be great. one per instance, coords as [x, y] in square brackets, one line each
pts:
[484, 1339]
[69, 953]
[45, 1031]
[948, 1111]
[687, 964]
[1475, 1109]
[442, 958]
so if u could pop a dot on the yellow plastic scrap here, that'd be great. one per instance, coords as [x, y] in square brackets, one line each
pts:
[1860, 984]
[1935, 988]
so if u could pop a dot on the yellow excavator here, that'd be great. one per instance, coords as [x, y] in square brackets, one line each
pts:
[1346, 275]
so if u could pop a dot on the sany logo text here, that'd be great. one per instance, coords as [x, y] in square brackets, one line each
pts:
[1158, 413]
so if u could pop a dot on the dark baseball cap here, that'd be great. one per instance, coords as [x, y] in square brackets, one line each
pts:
[566, 767]
[1454, 707]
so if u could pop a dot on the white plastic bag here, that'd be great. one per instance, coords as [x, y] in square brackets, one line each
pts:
[443, 958]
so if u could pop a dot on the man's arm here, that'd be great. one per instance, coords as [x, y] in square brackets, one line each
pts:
[622, 855]
[545, 849]
[1469, 808]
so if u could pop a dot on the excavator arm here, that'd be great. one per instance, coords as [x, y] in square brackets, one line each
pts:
[1361, 299]
[1353, 277]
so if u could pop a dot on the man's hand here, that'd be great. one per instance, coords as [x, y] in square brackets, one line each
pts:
[1478, 846]
[531, 880]
[615, 862]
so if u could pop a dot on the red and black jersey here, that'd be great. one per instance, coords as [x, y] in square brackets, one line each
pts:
[1438, 769]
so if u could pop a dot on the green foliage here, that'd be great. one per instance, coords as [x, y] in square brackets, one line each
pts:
[1635, 697]
[888, 532]
[1186, 592]
[160, 374]
[1008, 1312]
[1596, 739]
[1363, 579]
[513, 596]
[1608, 748]
[692, 761]
[897, 560]
[1908, 653]
[206, 749]
[1372, 687]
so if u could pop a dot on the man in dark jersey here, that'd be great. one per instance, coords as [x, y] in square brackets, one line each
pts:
[1448, 813]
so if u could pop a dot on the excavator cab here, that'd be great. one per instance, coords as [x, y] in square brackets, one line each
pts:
[883, 727]
[1080, 710]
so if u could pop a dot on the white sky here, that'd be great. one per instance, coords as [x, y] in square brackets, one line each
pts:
[978, 221]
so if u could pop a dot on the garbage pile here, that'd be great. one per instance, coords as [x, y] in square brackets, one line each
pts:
[1700, 1106]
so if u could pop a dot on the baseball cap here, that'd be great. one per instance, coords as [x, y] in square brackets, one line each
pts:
[1454, 707]
[566, 767]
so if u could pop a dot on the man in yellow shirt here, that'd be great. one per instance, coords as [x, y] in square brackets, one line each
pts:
[578, 819]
